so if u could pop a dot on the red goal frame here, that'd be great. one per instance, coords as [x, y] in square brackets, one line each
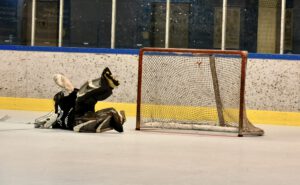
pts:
[244, 57]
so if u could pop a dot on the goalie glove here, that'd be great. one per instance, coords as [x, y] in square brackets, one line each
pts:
[46, 121]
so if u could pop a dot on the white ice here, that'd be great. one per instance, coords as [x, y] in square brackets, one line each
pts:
[31, 156]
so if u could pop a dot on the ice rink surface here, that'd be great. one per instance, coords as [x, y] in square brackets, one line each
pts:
[31, 156]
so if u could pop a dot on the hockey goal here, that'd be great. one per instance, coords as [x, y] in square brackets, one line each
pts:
[193, 89]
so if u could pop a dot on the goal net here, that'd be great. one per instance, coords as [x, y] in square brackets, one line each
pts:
[193, 89]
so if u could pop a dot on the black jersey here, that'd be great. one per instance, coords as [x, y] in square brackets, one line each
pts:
[64, 108]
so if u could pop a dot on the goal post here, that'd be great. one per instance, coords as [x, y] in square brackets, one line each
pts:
[193, 89]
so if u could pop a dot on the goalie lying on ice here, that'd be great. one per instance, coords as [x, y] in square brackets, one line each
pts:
[76, 110]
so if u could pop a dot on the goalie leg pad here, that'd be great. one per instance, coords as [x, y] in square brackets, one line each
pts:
[88, 126]
[116, 121]
[105, 125]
